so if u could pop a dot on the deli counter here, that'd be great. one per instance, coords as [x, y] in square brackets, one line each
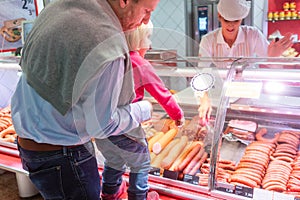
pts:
[253, 133]
[249, 148]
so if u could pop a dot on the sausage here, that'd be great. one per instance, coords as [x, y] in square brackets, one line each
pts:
[9, 138]
[271, 182]
[286, 150]
[6, 120]
[164, 141]
[226, 166]
[204, 171]
[284, 136]
[295, 188]
[174, 152]
[286, 146]
[251, 165]
[152, 156]
[283, 154]
[249, 176]
[2, 126]
[189, 157]
[154, 139]
[244, 180]
[260, 144]
[251, 157]
[277, 188]
[253, 160]
[9, 130]
[296, 176]
[252, 173]
[277, 179]
[258, 149]
[182, 156]
[265, 154]
[226, 162]
[157, 160]
[198, 164]
[293, 183]
[293, 142]
[194, 161]
[284, 158]
[259, 136]
[275, 166]
[289, 165]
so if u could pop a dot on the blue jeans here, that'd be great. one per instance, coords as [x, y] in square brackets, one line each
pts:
[70, 173]
[121, 152]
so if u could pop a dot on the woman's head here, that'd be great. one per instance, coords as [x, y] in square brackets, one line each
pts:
[231, 13]
[139, 39]
[230, 29]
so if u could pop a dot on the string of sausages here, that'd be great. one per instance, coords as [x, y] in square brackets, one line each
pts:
[7, 131]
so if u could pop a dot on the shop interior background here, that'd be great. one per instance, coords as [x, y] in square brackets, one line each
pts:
[172, 20]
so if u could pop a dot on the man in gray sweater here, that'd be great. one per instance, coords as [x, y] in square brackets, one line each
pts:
[76, 85]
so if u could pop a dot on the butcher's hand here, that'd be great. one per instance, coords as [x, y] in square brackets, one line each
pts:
[276, 48]
[205, 109]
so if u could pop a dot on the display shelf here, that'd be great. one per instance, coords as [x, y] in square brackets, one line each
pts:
[9, 62]
[284, 26]
[8, 144]
[10, 162]
[283, 20]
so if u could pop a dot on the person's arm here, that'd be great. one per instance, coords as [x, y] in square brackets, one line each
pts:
[103, 114]
[263, 48]
[156, 88]
[205, 108]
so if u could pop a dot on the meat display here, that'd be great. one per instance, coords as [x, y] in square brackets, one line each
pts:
[7, 131]
[241, 129]
[268, 162]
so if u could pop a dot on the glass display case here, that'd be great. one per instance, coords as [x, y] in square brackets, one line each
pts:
[250, 147]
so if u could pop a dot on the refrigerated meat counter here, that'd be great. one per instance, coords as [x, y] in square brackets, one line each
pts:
[256, 126]
[251, 91]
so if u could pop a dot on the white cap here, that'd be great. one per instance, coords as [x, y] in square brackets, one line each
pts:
[232, 10]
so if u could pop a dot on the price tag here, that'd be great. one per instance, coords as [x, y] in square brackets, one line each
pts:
[12, 13]
[262, 194]
[244, 90]
[170, 174]
[281, 196]
[155, 171]
[244, 191]
[225, 187]
[191, 179]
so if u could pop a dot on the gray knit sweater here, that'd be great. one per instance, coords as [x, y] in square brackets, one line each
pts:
[70, 42]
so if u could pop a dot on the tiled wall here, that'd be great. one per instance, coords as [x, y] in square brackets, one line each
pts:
[169, 26]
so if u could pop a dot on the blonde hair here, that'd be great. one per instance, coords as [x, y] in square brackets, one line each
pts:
[136, 38]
